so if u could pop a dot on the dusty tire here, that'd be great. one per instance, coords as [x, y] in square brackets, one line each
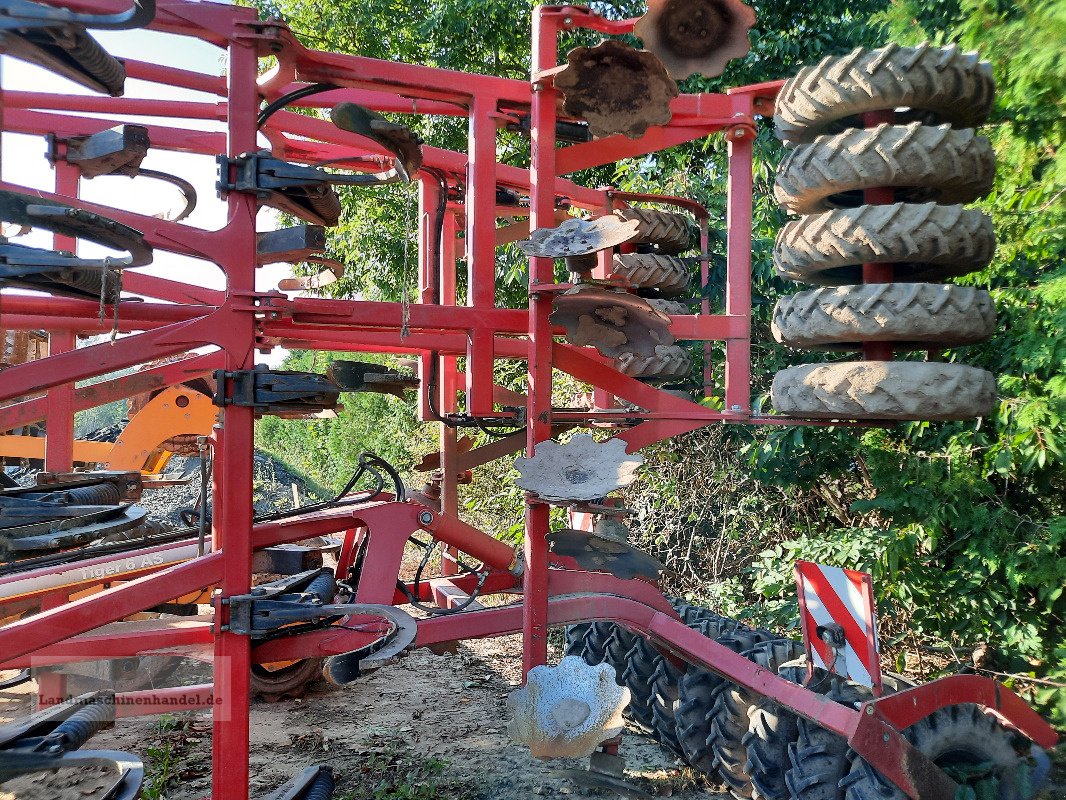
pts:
[942, 84]
[671, 307]
[668, 275]
[959, 735]
[924, 241]
[670, 362]
[730, 716]
[923, 314]
[290, 680]
[904, 390]
[921, 163]
[669, 233]
[695, 702]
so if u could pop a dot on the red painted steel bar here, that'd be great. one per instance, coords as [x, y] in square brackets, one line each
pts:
[232, 523]
[539, 374]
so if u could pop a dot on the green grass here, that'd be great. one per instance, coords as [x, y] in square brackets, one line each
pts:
[392, 771]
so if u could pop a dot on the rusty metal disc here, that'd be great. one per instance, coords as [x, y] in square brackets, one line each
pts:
[600, 554]
[616, 88]
[614, 322]
[578, 237]
[693, 36]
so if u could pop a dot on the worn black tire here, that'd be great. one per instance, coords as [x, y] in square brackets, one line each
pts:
[668, 275]
[695, 697]
[942, 84]
[919, 162]
[917, 315]
[669, 233]
[923, 241]
[818, 759]
[600, 642]
[903, 390]
[731, 706]
[772, 730]
[957, 734]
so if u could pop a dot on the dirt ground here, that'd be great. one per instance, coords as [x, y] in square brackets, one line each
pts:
[425, 727]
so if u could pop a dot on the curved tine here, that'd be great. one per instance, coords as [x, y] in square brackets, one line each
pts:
[139, 15]
[187, 190]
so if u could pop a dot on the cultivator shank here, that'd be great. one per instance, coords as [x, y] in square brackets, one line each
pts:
[86, 583]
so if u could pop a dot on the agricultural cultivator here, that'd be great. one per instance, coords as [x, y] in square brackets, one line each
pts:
[881, 157]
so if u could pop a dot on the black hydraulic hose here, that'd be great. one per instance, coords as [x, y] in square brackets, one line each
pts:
[304, 91]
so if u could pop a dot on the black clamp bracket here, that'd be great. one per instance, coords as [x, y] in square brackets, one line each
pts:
[279, 392]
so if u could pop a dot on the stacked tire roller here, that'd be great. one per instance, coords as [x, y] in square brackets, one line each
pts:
[658, 274]
[882, 155]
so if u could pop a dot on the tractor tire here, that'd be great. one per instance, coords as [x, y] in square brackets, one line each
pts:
[669, 307]
[731, 707]
[921, 163]
[962, 736]
[652, 683]
[938, 84]
[772, 730]
[288, 681]
[818, 759]
[923, 241]
[670, 363]
[695, 697]
[903, 390]
[669, 233]
[919, 315]
[667, 275]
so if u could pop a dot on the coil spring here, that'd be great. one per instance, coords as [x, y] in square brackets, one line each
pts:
[96, 61]
[90, 281]
[82, 725]
[324, 587]
[100, 494]
[322, 788]
[326, 204]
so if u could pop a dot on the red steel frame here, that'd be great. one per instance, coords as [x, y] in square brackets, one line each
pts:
[235, 322]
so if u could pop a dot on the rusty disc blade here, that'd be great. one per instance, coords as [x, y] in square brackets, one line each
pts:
[616, 88]
[691, 36]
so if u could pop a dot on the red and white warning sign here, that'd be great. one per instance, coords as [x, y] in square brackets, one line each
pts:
[839, 621]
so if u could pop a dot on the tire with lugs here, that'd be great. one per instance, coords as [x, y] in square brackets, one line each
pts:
[919, 162]
[917, 314]
[923, 242]
[941, 84]
[901, 390]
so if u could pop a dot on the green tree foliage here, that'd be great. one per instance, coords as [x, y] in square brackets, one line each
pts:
[962, 524]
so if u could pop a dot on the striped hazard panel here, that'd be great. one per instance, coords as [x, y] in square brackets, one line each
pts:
[837, 608]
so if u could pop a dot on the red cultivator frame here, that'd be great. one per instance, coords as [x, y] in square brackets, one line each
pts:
[234, 323]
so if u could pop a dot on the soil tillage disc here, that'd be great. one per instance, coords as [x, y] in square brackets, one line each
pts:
[600, 554]
[616, 88]
[614, 322]
[565, 711]
[581, 469]
[691, 36]
[580, 237]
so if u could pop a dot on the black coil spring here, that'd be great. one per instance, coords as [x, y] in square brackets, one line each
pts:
[96, 61]
[82, 725]
[100, 494]
[90, 281]
[322, 788]
[324, 587]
